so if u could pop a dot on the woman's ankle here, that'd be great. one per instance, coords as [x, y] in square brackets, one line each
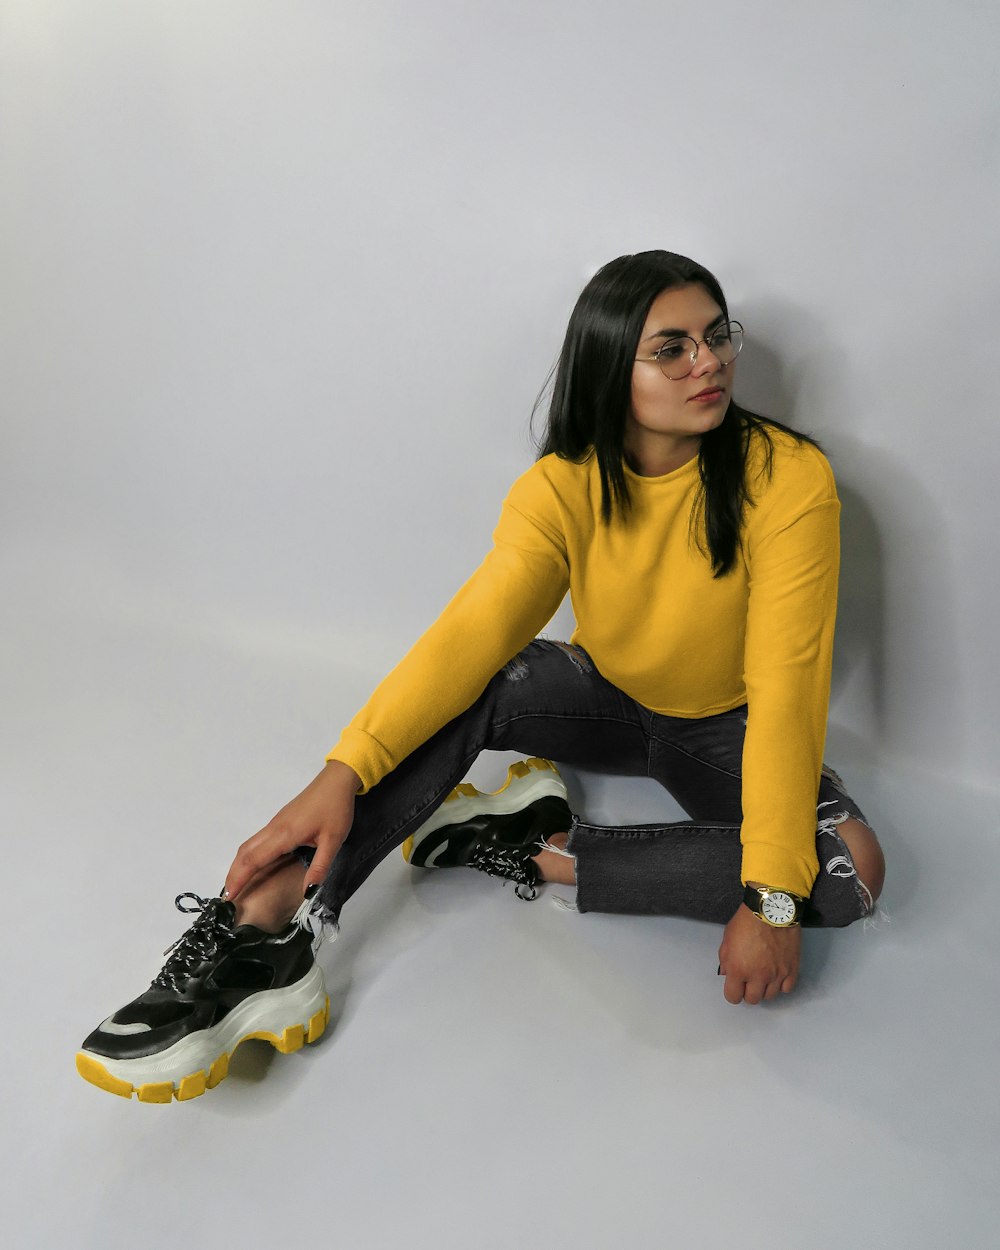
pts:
[272, 897]
[557, 865]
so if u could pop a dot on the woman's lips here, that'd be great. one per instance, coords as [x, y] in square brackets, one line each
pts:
[708, 396]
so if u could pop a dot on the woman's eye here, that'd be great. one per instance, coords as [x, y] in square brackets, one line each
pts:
[672, 351]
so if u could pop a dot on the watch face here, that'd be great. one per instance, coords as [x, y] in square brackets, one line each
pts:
[778, 907]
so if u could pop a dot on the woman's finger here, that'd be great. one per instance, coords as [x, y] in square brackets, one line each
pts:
[255, 854]
[263, 873]
[753, 992]
[327, 846]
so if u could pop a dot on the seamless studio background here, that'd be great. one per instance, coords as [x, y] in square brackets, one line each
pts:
[281, 283]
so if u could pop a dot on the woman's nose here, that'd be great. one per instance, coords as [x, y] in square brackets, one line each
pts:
[707, 361]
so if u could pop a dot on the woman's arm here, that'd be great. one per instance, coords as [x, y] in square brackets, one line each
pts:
[499, 610]
[794, 559]
[788, 660]
[496, 613]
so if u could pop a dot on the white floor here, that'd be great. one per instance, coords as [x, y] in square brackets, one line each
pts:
[495, 1073]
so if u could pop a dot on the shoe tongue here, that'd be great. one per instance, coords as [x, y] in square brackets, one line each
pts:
[226, 911]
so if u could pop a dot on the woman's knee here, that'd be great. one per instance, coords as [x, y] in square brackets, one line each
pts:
[866, 852]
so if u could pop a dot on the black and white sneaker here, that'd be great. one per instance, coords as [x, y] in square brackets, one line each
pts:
[496, 833]
[222, 984]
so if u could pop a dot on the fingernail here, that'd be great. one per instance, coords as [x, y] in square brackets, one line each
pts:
[311, 890]
[719, 973]
[223, 893]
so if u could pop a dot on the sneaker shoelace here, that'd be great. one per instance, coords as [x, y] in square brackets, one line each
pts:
[200, 942]
[498, 861]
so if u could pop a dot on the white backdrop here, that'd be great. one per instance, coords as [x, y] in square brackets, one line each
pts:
[280, 284]
[282, 280]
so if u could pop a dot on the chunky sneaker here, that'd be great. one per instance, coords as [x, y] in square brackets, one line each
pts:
[222, 983]
[497, 833]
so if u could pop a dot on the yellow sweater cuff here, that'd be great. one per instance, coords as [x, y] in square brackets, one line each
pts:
[365, 754]
[776, 867]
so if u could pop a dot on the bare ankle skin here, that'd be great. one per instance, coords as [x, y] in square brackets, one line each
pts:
[554, 867]
[272, 897]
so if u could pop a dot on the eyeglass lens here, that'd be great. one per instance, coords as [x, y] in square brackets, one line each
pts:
[678, 357]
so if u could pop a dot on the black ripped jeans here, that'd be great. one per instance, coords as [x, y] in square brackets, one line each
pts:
[551, 701]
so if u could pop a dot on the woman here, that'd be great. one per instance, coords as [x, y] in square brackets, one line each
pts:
[700, 546]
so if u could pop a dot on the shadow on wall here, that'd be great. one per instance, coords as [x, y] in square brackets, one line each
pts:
[859, 652]
[897, 608]
[894, 658]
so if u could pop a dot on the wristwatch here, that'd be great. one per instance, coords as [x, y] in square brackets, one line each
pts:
[779, 908]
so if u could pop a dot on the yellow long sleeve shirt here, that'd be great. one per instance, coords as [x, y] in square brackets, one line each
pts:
[656, 624]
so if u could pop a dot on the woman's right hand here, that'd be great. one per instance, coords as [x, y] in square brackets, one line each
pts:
[321, 816]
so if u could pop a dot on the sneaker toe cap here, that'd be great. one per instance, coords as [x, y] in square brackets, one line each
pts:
[126, 1036]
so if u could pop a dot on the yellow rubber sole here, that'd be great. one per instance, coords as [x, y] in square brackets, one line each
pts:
[196, 1083]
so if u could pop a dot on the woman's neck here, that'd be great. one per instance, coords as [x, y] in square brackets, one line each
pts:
[653, 457]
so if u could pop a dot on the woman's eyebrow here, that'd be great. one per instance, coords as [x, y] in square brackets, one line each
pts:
[683, 334]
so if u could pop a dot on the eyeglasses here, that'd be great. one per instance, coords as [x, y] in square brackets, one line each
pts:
[677, 357]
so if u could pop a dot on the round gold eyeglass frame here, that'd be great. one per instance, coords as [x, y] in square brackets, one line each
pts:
[731, 332]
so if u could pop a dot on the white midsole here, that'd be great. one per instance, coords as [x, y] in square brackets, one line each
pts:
[520, 792]
[270, 1011]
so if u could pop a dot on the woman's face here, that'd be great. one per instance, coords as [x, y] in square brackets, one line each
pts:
[668, 414]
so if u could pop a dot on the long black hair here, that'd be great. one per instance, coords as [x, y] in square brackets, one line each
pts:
[592, 393]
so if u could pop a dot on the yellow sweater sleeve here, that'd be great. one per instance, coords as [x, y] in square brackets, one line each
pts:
[788, 658]
[496, 613]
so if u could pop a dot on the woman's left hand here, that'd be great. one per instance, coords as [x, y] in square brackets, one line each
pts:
[758, 960]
